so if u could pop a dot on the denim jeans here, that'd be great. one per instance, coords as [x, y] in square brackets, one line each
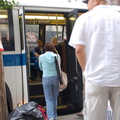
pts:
[51, 90]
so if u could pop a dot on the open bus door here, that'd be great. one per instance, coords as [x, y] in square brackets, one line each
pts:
[70, 98]
[73, 69]
[24, 58]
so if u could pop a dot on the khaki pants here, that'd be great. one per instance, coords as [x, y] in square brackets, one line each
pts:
[96, 101]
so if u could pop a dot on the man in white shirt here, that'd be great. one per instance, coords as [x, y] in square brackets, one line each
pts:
[96, 39]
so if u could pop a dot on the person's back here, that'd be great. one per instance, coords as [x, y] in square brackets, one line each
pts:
[96, 40]
[48, 64]
[102, 26]
[50, 79]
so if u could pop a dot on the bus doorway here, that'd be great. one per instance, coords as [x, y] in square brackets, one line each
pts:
[46, 25]
[74, 70]
[73, 67]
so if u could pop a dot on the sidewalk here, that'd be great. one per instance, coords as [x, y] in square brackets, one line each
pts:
[69, 117]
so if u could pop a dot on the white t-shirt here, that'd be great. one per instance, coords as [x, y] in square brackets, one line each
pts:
[99, 31]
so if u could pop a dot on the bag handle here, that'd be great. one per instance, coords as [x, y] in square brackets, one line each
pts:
[43, 112]
[56, 50]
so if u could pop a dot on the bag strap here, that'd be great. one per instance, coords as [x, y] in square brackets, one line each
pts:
[56, 50]
[58, 71]
[43, 112]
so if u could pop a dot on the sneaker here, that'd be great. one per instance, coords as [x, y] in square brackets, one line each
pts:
[52, 119]
[80, 114]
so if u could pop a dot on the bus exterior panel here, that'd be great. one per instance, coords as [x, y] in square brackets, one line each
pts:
[20, 59]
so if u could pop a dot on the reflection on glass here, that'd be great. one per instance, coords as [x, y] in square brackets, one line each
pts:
[53, 31]
[4, 28]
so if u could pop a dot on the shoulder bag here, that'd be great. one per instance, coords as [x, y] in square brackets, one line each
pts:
[62, 77]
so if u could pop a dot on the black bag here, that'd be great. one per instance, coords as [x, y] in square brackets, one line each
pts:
[28, 111]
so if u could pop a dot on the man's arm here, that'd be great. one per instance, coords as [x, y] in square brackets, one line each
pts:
[81, 56]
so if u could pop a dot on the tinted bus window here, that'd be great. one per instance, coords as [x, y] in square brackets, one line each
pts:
[6, 30]
[55, 31]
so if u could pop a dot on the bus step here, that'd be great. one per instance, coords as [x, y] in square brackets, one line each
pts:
[36, 89]
[38, 99]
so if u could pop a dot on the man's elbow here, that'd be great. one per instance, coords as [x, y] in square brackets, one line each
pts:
[79, 49]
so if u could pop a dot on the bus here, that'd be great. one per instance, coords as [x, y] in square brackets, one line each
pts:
[20, 28]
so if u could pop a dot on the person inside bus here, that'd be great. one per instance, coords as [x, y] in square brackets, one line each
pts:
[35, 71]
[39, 49]
[96, 39]
[54, 41]
[57, 47]
[50, 79]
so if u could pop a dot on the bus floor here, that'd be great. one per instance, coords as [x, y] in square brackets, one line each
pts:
[69, 117]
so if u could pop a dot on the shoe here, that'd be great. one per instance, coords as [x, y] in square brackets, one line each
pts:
[80, 114]
[52, 119]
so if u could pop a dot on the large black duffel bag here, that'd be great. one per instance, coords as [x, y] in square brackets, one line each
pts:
[28, 111]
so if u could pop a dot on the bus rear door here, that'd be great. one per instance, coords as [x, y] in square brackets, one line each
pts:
[73, 68]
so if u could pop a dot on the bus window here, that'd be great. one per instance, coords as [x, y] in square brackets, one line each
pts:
[6, 30]
[53, 31]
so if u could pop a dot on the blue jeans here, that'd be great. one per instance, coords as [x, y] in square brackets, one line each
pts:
[51, 90]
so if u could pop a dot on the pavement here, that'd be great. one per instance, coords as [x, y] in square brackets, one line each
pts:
[69, 117]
